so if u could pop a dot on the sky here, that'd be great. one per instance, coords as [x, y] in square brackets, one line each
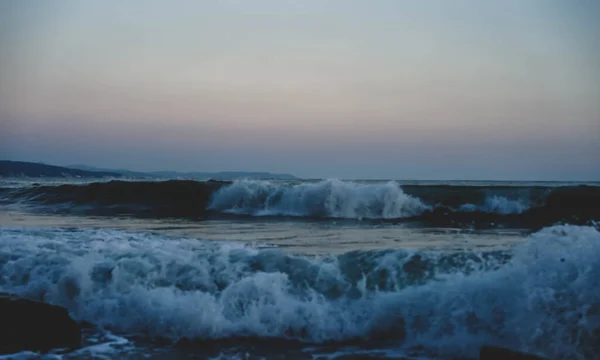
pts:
[387, 89]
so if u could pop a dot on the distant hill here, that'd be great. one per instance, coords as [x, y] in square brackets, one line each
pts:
[122, 172]
[37, 170]
[222, 175]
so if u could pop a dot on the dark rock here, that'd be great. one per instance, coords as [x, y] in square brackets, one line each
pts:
[498, 353]
[35, 326]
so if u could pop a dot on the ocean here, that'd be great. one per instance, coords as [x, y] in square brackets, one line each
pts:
[319, 269]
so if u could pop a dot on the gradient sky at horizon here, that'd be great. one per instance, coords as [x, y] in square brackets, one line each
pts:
[489, 90]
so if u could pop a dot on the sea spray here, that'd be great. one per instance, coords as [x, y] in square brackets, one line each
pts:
[330, 198]
[542, 296]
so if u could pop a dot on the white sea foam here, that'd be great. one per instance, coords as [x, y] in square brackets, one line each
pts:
[338, 199]
[329, 198]
[26, 355]
[544, 299]
[498, 205]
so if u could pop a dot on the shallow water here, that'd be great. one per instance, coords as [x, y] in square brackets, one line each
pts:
[298, 237]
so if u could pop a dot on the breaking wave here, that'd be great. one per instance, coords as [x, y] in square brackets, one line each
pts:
[331, 198]
[541, 297]
[520, 206]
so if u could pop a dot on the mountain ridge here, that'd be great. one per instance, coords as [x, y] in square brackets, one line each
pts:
[195, 175]
[9, 168]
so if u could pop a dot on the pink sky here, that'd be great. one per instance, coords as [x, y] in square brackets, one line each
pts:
[353, 89]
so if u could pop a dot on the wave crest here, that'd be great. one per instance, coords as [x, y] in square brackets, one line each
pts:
[541, 297]
[441, 205]
[330, 198]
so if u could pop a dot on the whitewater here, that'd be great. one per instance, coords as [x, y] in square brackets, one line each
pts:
[311, 269]
[339, 199]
